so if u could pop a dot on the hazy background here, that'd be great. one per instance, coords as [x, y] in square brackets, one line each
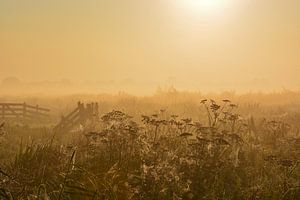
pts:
[140, 45]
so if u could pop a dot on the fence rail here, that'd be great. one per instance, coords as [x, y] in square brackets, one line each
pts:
[22, 111]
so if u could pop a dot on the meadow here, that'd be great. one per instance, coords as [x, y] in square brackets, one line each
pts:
[171, 145]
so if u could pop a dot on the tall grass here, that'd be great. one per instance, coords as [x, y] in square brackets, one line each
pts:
[159, 155]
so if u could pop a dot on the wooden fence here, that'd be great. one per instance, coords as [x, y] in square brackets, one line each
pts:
[78, 116]
[22, 111]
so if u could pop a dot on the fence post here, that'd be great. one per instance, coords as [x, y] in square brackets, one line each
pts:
[81, 110]
[3, 111]
[24, 110]
[37, 111]
[63, 121]
[96, 109]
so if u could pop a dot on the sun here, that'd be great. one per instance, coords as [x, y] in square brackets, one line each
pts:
[205, 4]
[202, 6]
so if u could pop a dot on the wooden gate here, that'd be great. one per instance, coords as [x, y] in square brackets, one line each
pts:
[78, 116]
[22, 111]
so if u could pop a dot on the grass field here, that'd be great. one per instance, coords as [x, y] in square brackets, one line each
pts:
[172, 145]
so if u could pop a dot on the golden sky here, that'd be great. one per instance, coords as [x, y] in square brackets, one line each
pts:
[248, 44]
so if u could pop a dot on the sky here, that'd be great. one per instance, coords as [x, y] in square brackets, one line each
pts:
[191, 44]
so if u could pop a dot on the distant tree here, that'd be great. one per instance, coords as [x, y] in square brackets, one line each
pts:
[11, 82]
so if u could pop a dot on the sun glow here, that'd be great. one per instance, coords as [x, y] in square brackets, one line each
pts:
[202, 6]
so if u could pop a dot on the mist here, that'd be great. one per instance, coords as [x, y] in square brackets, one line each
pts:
[139, 46]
